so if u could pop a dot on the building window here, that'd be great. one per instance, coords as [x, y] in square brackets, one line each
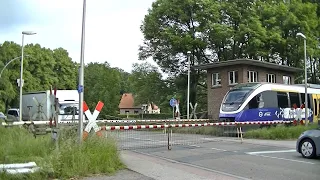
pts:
[271, 78]
[286, 80]
[252, 76]
[216, 81]
[233, 77]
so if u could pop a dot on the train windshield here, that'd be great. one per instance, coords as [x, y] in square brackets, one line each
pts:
[236, 97]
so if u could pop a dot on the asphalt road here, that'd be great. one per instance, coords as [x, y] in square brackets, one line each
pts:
[226, 158]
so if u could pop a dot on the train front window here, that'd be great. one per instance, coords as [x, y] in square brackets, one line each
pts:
[236, 96]
[234, 99]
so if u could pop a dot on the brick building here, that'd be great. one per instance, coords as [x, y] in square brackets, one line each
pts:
[221, 76]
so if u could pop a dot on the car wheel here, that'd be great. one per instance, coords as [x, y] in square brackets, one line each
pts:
[308, 148]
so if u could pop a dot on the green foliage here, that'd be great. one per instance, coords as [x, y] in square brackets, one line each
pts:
[42, 68]
[279, 132]
[149, 87]
[102, 83]
[95, 155]
[228, 29]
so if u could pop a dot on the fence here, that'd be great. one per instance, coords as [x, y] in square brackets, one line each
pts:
[137, 134]
[187, 134]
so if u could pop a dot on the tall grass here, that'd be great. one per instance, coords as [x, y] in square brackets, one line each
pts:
[70, 159]
[280, 132]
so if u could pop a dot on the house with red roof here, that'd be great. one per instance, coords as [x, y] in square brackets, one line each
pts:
[127, 106]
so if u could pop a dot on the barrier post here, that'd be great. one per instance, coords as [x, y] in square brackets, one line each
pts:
[241, 135]
[169, 147]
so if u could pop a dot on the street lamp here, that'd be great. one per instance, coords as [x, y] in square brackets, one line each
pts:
[8, 64]
[81, 74]
[188, 94]
[305, 77]
[21, 70]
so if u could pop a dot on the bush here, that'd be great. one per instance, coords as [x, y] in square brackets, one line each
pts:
[280, 132]
[70, 159]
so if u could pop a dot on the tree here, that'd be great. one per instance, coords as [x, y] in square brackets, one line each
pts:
[171, 28]
[148, 85]
[227, 29]
[43, 68]
[102, 83]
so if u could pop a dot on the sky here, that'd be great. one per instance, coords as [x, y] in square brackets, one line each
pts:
[112, 27]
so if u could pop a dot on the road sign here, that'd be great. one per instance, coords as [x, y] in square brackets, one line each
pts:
[18, 82]
[80, 89]
[92, 124]
[173, 102]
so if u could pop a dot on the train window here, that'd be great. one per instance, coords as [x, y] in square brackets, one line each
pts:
[294, 99]
[283, 101]
[303, 100]
[269, 99]
[255, 102]
[315, 107]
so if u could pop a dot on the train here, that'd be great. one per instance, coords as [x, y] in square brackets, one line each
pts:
[261, 101]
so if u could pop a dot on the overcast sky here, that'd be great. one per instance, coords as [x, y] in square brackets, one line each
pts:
[112, 27]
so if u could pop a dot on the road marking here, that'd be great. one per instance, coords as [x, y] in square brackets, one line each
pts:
[282, 159]
[270, 152]
[192, 165]
[195, 146]
[219, 149]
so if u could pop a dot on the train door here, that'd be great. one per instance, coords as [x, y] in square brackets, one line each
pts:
[316, 108]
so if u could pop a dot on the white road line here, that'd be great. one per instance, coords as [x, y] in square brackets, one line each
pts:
[270, 152]
[219, 149]
[193, 165]
[283, 159]
[195, 146]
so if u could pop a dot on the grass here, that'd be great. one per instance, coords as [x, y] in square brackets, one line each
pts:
[95, 155]
[280, 132]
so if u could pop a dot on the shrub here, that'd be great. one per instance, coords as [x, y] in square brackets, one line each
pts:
[70, 159]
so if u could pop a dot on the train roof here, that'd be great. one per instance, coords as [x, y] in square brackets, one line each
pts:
[312, 88]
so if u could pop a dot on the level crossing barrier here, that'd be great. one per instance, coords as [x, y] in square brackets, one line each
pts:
[134, 134]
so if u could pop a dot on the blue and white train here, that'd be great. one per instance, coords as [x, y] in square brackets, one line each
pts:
[269, 102]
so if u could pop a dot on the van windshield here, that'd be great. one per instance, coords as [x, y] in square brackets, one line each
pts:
[69, 109]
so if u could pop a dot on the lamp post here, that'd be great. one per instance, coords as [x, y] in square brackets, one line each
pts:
[8, 64]
[188, 94]
[81, 74]
[21, 71]
[305, 77]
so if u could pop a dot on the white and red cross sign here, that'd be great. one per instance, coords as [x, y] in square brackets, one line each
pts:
[92, 124]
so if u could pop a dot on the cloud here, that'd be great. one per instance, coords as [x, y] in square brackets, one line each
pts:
[112, 27]
[14, 13]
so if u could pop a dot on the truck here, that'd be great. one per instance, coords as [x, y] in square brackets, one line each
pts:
[40, 106]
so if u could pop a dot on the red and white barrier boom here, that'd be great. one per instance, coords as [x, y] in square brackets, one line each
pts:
[132, 127]
[92, 119]
[107, 121]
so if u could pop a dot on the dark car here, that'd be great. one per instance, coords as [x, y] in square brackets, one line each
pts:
[308, 143]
